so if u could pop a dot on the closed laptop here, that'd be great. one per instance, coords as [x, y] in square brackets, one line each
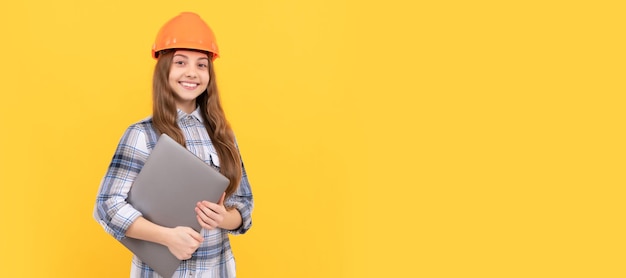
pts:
[166, 191]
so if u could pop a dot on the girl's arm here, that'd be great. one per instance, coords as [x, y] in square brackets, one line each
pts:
[234, 214]
[111, 209]
[212, 215]
[181, 241]
[241, 203]
[118, 217]
[233, 219]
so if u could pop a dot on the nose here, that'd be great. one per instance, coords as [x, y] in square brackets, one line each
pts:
[191, 73]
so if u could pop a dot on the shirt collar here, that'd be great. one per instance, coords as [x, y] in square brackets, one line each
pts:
[196, 114]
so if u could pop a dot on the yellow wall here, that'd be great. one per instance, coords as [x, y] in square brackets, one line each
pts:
[382, 138]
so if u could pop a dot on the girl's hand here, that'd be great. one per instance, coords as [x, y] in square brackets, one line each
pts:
[211, 215]
[183, 241]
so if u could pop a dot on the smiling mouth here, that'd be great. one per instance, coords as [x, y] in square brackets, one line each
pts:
[188, 85]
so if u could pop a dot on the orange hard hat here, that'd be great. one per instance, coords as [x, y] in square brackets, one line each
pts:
[186, 30]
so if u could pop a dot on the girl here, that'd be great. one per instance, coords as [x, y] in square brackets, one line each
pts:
[186, 106]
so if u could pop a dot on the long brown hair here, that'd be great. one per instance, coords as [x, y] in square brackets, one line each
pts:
[164, 116]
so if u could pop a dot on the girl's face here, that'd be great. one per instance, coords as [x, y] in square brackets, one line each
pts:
[189, 77]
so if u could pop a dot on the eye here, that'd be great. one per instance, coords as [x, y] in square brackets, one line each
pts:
[180, 63]
[203, 66]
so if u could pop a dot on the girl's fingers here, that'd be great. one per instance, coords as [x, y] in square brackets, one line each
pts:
[210, 214]
[207, 216]
[202, 223]
[206, 211]
[209, 226]
[211, 206]
[197, 237]
[208, 208]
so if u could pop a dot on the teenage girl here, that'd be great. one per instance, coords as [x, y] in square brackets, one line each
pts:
[186, 106]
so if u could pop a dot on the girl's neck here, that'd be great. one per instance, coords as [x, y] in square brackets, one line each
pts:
[187, 107]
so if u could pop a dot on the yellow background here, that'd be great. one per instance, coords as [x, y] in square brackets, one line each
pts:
[382, 138]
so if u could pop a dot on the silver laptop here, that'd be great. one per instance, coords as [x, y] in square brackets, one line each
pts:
[166, 191]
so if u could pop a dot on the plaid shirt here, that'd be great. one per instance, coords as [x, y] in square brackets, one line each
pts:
[214, 257]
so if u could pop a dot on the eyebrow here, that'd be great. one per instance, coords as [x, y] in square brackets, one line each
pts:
[185, 56]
